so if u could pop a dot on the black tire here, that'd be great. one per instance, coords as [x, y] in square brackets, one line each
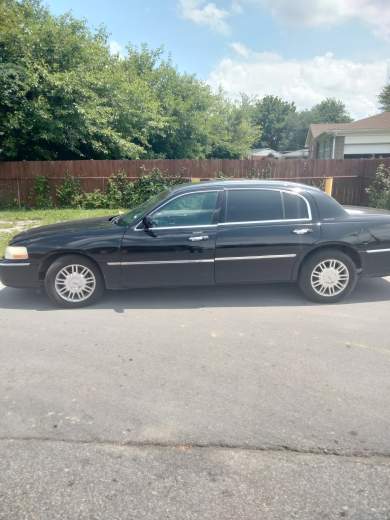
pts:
[313, 264]
[93, 278]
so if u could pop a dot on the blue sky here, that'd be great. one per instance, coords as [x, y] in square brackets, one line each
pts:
[335, 48]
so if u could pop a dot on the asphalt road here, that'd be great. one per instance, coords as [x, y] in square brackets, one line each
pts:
[227, 403]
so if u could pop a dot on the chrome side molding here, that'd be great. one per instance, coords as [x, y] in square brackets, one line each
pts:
[201, 260]
[372, 251]
[262, 257]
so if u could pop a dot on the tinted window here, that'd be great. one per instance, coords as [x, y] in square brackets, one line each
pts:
[329, 208]
[143, 208]
[195, 209]
[253, 205]
[294, 206]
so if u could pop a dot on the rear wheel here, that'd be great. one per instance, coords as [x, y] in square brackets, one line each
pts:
[73, 281]
[328, 276]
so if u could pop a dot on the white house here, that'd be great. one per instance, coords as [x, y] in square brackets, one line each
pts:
[366, 138]
[268, 152]
[264, 152]
[296, 154]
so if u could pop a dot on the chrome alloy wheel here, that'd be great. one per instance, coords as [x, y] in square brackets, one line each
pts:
[330, 277]
[75, 283]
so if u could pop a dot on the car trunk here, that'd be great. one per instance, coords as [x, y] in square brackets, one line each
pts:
[362, 210]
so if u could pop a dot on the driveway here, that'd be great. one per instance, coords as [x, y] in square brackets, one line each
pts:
[227, 403]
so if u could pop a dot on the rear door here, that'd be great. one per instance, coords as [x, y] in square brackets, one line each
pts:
[263, 235]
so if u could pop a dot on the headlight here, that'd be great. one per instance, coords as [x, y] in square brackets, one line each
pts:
[16, 253]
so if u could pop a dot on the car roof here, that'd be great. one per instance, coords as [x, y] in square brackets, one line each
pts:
[243, 183]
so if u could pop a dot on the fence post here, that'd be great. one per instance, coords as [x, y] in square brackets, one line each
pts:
[18, 188]
[329, 185]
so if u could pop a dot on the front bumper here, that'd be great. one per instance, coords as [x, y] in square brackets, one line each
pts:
[19, 273]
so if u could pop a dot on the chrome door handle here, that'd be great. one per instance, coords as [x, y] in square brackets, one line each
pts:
[302, 231]
[198, 238]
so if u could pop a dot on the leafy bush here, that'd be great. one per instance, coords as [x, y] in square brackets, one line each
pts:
[41, 195]
[151, 184]
[122, 193]
[119, 190]
[254, 173]
[379, 190]
[148, 185]
[8, 202]
[68, 192]
[92, 200]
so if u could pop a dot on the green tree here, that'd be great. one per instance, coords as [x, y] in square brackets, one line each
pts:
[64, 96]
[297, 123]
[197, 122]
[271, 114]
[384, 98]
[330, 110]
[295, 130]
[64, 102]
[232, 130]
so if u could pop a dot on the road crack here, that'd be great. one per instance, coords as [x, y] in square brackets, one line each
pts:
[274, 448]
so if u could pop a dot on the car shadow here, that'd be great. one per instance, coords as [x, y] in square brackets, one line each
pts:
[266, 295]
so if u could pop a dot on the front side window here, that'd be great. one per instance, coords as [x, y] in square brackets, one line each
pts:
[133, 215]
[194, 209]
[253, 205]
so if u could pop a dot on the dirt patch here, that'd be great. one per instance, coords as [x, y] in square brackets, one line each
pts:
[17, 226]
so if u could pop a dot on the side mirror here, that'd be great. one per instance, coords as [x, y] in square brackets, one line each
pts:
[147, 222]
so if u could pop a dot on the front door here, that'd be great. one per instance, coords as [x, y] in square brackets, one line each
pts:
[179, 246]
[264, 234]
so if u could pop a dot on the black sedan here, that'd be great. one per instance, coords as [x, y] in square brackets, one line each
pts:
[227, 232]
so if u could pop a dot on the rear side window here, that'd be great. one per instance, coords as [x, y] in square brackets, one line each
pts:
[329, 207]
[294, 206]
[253, 205]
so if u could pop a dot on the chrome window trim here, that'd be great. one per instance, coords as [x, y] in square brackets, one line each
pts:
[178, 227]
[280, 190]
[9, 264]
[371, 251]
[136, 228]
[278, 221]
[230, 224]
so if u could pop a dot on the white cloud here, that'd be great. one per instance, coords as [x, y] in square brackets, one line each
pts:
[320, 11]
[205, 13]
[306, 82]
[375, 13]
[116, 48]
[236, 7]
[240, 49]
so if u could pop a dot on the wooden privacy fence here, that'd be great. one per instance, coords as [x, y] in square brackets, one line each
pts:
[351, 176]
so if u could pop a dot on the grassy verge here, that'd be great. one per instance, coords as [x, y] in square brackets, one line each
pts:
[4, 239]
[25, 219]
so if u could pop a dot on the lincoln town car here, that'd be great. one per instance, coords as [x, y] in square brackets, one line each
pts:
[211, 233]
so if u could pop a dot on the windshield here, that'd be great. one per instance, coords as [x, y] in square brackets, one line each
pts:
[138, 211]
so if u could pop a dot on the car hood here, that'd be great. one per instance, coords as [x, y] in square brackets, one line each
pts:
[67, 228]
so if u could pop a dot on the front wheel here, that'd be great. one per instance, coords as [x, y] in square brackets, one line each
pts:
[73, 281]
[328, 276]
